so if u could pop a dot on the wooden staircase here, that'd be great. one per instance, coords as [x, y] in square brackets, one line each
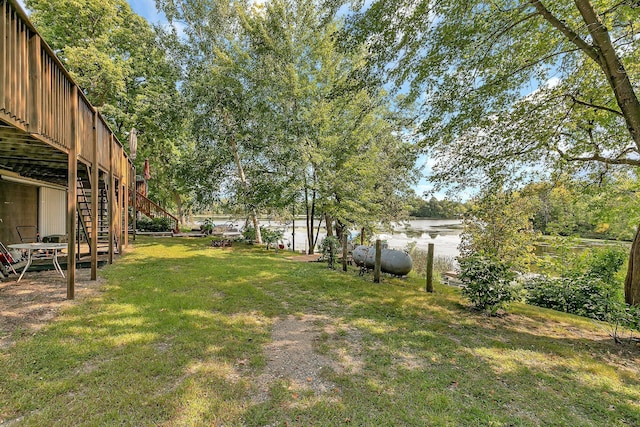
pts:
[152, 209]
[85, 222]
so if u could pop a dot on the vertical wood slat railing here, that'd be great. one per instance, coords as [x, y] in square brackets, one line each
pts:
[36, 94]
[152, 209]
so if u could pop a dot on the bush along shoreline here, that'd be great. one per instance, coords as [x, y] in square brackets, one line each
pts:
[590, 287]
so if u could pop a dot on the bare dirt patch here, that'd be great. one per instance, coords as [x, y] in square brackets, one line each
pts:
[304, 258]
[292, 357]
[28, 306]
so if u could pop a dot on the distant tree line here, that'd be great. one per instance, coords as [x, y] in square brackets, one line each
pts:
[434, 208]
[561, 206]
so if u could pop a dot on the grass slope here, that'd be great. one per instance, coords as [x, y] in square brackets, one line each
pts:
[176, 338]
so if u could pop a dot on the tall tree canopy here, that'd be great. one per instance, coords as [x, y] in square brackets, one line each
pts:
[507, 85]
[275, 104]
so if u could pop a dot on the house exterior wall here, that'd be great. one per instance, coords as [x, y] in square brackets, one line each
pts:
[18, 206]
[53, 211]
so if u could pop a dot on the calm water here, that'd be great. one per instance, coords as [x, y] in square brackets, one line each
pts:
[444, 234]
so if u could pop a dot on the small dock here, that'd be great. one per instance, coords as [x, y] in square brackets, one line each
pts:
[451, 278]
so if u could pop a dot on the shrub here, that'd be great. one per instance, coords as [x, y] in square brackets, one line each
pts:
[488, 282]
[589, 289]
[155, 225]
[623, 316]
[268, 236]
[582, 295]
[249, 233]
[329, 246]
[207, 226]
[271, 237]
[545, 292]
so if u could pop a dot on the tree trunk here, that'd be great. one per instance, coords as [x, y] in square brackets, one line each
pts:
[613, 68]
[245, 187]
[178, 200]
[256, 226]
[311, 211]
[310, 208]
[602, 51]
[340, 230]
[328, 221]
[632, 281]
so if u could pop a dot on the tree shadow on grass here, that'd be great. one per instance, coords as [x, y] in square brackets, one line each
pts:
[177, 337]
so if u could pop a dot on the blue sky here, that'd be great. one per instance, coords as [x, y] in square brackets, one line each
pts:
[147, 9]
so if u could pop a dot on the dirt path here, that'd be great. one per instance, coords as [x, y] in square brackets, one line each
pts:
[28, 306]
[293, 357]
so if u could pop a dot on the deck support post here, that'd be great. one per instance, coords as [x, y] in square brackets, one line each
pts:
[111, 201]
[429, 286]
[135, 200]
[125, 196]
[95, 196]
[72, 197]
[376, 270]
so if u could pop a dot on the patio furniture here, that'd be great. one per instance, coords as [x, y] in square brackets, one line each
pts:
[28, 233]
[7, 259]
[37, 246]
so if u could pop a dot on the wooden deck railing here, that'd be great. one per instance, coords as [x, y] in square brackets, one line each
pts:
[37, 96]
[45, 117]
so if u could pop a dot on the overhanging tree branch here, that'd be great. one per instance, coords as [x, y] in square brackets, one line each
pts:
[595, 106]
[596, 157]
[564, 29]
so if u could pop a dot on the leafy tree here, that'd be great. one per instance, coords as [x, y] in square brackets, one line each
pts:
[434, 208]
[499, 225]
[514, 83]
[488, 282]
[579, 207]
[275, 100]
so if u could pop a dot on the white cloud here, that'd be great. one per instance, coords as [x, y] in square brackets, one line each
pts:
[553, 82]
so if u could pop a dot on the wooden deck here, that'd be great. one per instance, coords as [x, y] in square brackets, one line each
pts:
[50, 132]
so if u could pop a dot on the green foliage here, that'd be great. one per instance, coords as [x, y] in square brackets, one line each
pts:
[605, 263]
[157, 224]
[589, 288]
[507, 84]
[280, 116]
[129, 70]
[576, 207]
[434, 208]
[207, 226]
[514, 90]
[249, 233]
[581, 295]
[488, 282]
[498, 224]
[269, 236]
[329, 247]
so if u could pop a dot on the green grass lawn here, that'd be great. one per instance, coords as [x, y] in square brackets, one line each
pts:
[177, 337]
